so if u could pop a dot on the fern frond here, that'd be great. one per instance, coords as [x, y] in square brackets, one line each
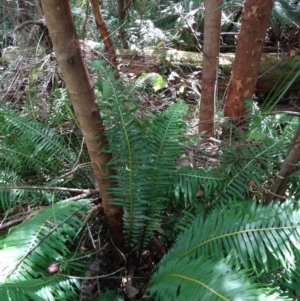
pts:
[143, 157]
[138, 153]
[204, 279]
[255, 233]
[144, 163]
[285, 12]
[254, 236]
[110, 295]
[30, 247]
[244, 164]
[49, 288]
[32, 150]
[164, 138]
[188, 180]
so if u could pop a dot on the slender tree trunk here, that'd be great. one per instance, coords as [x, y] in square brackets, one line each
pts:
[211, 49]
[23, 11]
[104, 34]
[278, 190]
[251, 39]
[81, 90]
[122, 15]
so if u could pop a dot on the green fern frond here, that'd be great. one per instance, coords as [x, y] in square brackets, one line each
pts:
[285, 12]
[144, 157]
[188, 180]
[254, 233]
[256, 237]
[30, 247]
[51, 288]
[107, 84]
[164, 137]
[244, 164]
[110, 295]
[42, 138]
[32, 151]
[144, 163]
[204, 279]
[32, 146]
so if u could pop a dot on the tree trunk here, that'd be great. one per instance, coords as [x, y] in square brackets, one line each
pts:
[23, 11]
[122, 15]
[211, 49]
[278, 190]
[251, 39]
[81, 91]
[104, 34]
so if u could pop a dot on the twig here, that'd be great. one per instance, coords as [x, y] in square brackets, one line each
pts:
[14, 221]
[41, 22]
[96, 277]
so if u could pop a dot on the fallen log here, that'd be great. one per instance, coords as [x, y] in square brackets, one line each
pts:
[276, 70]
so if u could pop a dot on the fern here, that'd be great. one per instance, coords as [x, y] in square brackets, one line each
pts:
[246, 164]
[29, 248]
[31, 152]
[51, 288]
[188, 180]
[143, 157]
[204, 279]
[286, 12]
[258, 237]
[144, 162]
[110, 295]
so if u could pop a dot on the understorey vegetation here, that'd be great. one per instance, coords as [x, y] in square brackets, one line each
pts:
[202, 219]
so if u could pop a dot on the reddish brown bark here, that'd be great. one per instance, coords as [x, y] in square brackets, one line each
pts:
[101, 25]
[251, 39]
[104, 34]
[211, 49]
[81, 90]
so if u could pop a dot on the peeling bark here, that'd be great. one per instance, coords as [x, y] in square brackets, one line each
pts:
[251, 39]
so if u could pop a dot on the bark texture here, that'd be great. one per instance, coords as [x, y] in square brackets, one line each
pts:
[251, 39]
[211, 49]
[81, 90]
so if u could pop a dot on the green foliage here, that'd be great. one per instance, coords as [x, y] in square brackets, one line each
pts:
[220, 250]
[29, 248]
[143, 158]
[204, 279]
[286, 12]
[155, 80]
[110, 295]
[51, 288]
[31, 151]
